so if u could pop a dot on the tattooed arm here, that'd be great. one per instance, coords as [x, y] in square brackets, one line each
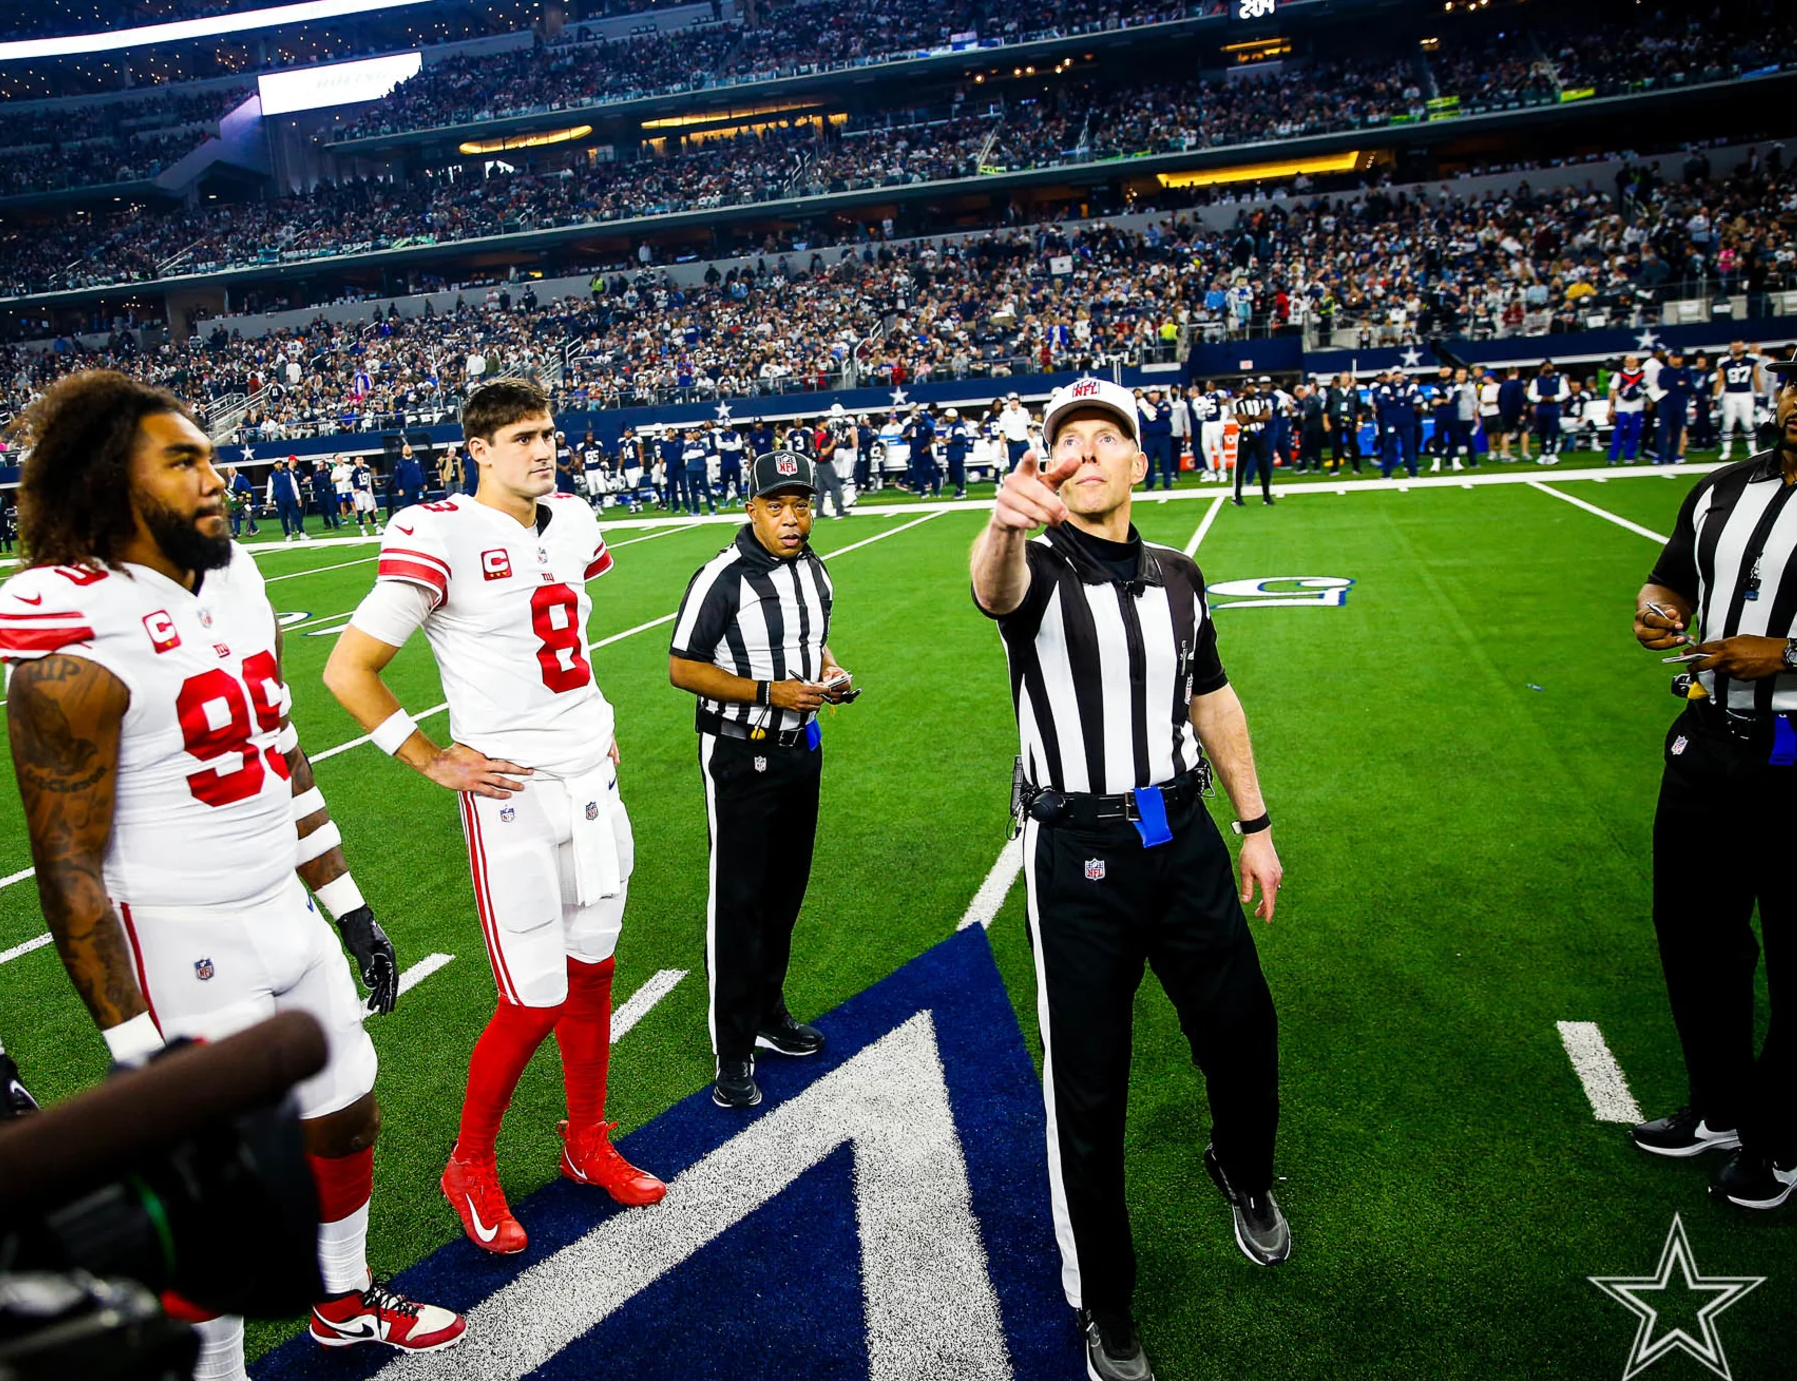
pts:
[64, 715]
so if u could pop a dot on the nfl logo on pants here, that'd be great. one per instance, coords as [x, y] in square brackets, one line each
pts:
[592, 810]
[1094, 870]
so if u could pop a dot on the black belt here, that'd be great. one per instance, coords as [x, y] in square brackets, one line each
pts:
[1741, 724]
[735, 728]
[1084, 810]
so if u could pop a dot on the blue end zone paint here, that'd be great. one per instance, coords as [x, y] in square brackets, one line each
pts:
[779, 1294]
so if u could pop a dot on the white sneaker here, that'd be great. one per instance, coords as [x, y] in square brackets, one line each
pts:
[1457, 464]
[1550, 459]
[1435, 466]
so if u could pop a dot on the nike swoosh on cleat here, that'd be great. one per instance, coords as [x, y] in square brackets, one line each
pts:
[365, 1331]
[481, 1230]
[574, 1169]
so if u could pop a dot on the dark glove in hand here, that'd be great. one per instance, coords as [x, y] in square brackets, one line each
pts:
[374, 957]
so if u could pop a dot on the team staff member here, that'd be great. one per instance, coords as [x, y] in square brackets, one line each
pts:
[1253, 420]
[1729, 797]
[752, 641]
[1014, 427]
[1157, 438]
[1341, 418]
[1123, 863]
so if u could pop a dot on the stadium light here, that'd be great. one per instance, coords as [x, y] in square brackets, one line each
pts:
[70, 45]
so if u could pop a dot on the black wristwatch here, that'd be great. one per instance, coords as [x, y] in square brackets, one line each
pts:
[1263, 821]
[1791, 656]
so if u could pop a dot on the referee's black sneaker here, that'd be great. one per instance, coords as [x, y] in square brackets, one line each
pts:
[1260, 1228]
[736, 1086]
[15, 1098]
[1113, 1351]
[1682, 1134]
[1753, 1179]
[784, 1036]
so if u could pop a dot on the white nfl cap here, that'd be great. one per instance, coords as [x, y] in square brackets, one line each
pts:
[1091, 393]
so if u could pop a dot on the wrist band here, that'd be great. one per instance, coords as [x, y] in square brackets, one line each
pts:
[392, 732]
[1263, 821]
[318, 843]
[764, 692]
[132, 1042]
[308, 802]
[286, 739]
[340, 896]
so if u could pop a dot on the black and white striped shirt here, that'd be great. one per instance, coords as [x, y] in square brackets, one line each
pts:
[1106, 652]
[759, 616]
[1253, 411]
[1731, 555]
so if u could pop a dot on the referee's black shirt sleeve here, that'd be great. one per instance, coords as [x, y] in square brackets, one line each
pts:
[1677, 567]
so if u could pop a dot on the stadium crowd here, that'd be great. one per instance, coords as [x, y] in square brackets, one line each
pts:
[1385, 268]
[73, 145]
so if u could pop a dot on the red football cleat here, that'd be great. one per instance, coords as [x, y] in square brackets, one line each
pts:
[472, 1188]
[588, 1157]
[380, 1314]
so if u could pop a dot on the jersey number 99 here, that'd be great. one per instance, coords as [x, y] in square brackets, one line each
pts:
[209, 735]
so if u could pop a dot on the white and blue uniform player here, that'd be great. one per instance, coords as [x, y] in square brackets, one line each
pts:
[1628, 408]
[1737, 386]
[727, 442]
[361, 497]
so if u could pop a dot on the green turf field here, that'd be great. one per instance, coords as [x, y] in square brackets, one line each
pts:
[1461, 761]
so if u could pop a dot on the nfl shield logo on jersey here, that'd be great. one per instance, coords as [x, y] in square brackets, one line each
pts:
[507, 814]
[1094, 870]
[1678, 745]
[496, 565]
[592, 810]
[761, 764]
[202, 969]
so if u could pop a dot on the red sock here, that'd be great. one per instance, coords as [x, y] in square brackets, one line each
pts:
[584, 1034]
[501, 1053]
[344, 1183]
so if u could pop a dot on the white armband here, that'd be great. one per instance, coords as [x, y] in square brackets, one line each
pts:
[318, 843]
[287, 739]
[391, 733]
[307, 803]
[132, 1042]
[340, 896]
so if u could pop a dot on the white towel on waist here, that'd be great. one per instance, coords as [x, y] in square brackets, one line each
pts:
[590, 832]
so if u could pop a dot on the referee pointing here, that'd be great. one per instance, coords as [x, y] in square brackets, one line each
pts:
[751, 640]
[1120, 696]
[1727, 813]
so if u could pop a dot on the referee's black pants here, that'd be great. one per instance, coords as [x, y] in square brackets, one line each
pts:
[1721, 841]
[1254, 451]
[763, 826]
[1174, 907]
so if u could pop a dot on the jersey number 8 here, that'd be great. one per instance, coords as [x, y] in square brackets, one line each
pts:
[555, 618]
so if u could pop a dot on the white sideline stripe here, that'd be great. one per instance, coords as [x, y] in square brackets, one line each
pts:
[1204, 527]
[986, 902]
[630, 1012]
[38, 942]
[314, 622]
[320, 570]
[632, 632]
[1600, 512]
[20, 876]
[1598, 1071]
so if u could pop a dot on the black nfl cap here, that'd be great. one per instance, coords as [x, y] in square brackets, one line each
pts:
[781, 470]
[1784, 367]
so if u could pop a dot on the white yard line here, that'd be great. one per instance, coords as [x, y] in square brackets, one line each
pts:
[1204, 527]
[1598, 1071]
[890, 532]
[320, 570]
[1603, 513]
[997, 886]
[422, 970]
[630, 1012]
[7, 956]
[650, 537]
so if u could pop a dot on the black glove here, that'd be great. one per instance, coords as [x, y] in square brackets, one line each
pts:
[365, 939]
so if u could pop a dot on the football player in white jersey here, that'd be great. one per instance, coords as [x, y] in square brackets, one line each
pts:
[169, 804]
[497, 581]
